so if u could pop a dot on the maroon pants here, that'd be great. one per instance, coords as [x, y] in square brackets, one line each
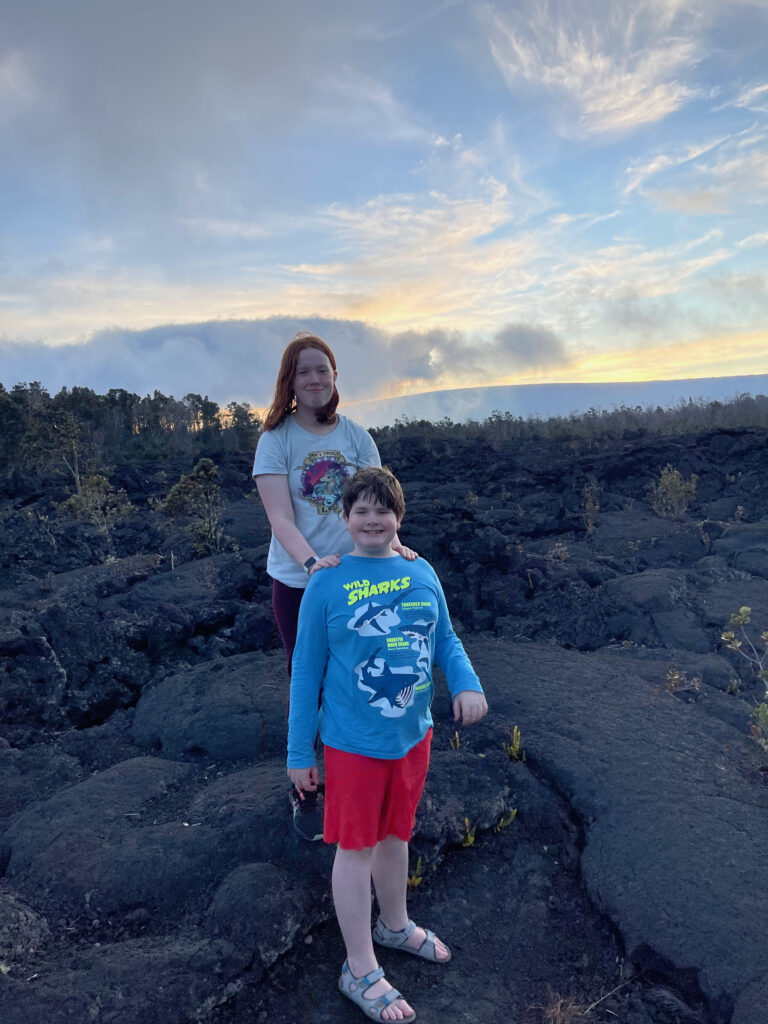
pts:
[285, 602]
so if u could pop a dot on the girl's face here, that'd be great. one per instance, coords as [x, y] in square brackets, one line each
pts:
[314, 379]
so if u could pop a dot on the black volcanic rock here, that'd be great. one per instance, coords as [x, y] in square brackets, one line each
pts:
[151, 869]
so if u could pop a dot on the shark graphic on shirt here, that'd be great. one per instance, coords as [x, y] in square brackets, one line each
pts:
[375, 619]
[396, 687]
[420, 633]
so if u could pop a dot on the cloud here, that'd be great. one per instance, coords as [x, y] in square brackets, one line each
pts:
[358, 102]
[617, 66]
[640, 171]
[237, 360]
[759, 238]
[753, 97]
[716, 176]
[137, 104]
[736, 177]
[530, 347]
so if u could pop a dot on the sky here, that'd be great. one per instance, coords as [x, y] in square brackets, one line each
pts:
[452, 193]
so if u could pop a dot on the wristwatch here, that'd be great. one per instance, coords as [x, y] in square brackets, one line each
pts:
[309, 563]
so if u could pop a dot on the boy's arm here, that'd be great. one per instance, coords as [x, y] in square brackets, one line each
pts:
[310, 657]
[469, 703]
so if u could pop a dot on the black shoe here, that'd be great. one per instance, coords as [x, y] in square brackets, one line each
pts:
[307, 813]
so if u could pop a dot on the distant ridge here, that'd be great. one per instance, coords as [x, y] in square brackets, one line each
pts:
[545, 400]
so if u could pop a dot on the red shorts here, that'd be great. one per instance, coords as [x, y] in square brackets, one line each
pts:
[369, 798]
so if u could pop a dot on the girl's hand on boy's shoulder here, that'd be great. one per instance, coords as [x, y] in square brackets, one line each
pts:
[407, 553]
[469, 706]
[305, 779]
[324, 562]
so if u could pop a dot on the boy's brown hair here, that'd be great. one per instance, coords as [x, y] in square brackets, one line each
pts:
[381, 484]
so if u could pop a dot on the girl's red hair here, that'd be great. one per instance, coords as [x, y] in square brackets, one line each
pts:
[284, 402]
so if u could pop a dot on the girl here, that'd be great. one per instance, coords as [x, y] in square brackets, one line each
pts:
[305, 454]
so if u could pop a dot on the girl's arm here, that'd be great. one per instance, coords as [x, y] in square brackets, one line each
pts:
[276, 498]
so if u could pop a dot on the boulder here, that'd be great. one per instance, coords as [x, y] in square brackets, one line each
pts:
[233, 710]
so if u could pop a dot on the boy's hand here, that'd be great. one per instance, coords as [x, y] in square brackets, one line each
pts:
[469, 706]
[407, 553]
[304, 779]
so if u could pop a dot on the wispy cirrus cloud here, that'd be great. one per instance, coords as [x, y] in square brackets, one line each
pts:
[362, 103]
[751, 97]
[733, 177]
[641, 170]
[617, 67]
[751, 241]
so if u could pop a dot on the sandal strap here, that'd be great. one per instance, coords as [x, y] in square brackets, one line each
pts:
[365, 981]
[429, 937]
[389, 997]
[395, 938]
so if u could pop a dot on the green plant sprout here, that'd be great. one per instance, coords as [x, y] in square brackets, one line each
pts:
[416, 878]
[455, 741]
[514, 749]
[468, 838]
[505, 820]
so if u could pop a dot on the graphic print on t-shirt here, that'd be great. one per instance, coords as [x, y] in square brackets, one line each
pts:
[322, 480]
[374, 619]
[391, 676]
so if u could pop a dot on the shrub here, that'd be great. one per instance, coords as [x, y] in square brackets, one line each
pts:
[744, 645]
[677, 681]
[750, 649]
[197, 497]
[99, 503]
[671, 494]
[759, 727]
[590, 506]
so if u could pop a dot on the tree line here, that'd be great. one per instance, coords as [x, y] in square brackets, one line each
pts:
[77, 430]
[689, 416]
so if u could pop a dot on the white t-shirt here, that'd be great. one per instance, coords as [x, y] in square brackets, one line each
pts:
[316, 467]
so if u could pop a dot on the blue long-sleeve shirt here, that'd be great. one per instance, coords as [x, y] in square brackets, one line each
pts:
[369, 633]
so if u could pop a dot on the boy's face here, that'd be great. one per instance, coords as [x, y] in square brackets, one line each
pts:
[372, 526]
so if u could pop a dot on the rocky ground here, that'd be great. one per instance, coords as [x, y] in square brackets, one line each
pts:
[150, 872]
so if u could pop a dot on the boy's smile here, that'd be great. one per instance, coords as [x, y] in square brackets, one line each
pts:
[372, 526]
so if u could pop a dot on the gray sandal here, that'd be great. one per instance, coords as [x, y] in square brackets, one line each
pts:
[355, 989]
[397, 940]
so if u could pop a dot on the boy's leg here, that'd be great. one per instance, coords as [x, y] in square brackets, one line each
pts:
[389, 869]
[351, 882]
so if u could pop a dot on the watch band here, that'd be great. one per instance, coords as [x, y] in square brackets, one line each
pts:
[309, 563]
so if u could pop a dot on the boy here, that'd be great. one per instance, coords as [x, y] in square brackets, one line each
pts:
[369, 632]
